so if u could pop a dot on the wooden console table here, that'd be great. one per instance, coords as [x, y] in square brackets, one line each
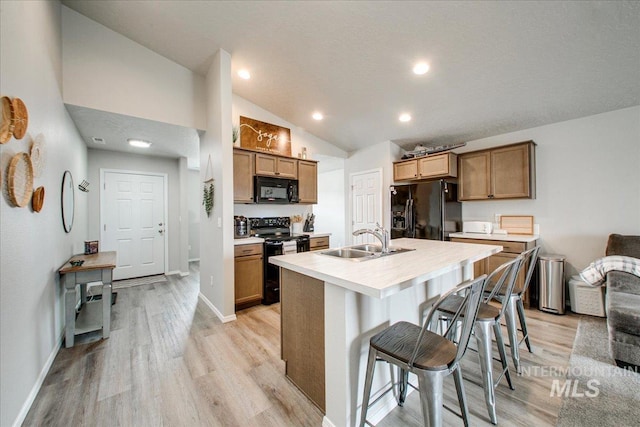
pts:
[94, 315]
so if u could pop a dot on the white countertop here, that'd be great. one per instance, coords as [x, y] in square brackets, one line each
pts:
[248, 241]
[504, 237]
[316, 234]
[390, 274]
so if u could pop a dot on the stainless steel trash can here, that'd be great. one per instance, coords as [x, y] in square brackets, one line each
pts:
[552, 293]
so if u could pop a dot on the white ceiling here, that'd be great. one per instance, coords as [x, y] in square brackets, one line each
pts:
[167, 140]
[496, 67]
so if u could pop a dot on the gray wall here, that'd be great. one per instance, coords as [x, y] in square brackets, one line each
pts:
[588, 184]
[34, 245]
[136, 163]
[194, 200]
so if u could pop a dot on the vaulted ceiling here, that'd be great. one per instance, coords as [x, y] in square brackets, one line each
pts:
[495, 67]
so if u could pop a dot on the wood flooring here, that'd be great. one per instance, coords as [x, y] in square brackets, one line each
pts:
[171, 362]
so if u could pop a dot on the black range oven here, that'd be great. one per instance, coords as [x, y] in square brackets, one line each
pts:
[278, 240]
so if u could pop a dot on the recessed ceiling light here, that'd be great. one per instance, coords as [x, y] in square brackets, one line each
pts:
[404, 117]
[139, 143]
[421, 68]
[317, 116]
[244, 74]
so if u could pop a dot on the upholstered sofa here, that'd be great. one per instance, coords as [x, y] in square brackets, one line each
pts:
[623, 303]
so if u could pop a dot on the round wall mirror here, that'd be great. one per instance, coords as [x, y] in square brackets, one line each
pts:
[67, 201]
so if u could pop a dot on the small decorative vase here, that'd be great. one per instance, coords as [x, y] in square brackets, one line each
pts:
[297, 228]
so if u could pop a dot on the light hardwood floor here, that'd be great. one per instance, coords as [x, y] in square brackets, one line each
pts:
[170, 361]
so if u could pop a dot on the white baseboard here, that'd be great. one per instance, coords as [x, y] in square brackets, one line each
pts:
[223, 319]
[326, 422]
[184, 273]
[36, 387]
[381, 409]
[194, 260]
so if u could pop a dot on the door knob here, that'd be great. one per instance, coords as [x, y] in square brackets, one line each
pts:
[160, 231]
[160, 224]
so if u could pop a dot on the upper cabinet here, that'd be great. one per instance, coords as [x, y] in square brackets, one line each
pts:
[243, 176]
[499, 173]
[430, 167]
[248, 163]
[307, 182]
[282, 167]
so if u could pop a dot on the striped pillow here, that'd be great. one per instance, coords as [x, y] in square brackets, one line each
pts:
[595, 274]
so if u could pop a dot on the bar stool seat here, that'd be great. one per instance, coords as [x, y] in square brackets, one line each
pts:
[430, 356]
[485, 312]
[435, 354]
[501, 280]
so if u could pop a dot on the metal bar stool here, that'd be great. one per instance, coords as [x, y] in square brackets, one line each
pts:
[500, 281]
[515, 303]
[429, 355]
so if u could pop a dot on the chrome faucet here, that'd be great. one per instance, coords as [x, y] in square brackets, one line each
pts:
[379, 233]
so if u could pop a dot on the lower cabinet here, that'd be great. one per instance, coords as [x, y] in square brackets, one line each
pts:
[510, 251]
[248, 275]
[319, 243]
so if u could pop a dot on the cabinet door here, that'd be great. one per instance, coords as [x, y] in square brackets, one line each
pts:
[404, 171]
[266, 165]
[248, 279]
[497, 260]
[287, 168]
[242, 177]
[318, 243]
[510, 172]
[307, 182]
[442, 165]
[474, 172]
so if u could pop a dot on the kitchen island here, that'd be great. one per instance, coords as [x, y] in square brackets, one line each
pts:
[332, 306]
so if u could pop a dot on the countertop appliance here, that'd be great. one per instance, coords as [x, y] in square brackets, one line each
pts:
[482, 227]
[241, 227]
[278, 240]
[275, 190]
[426, 210]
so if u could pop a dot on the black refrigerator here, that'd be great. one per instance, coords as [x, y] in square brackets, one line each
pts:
[427, 210]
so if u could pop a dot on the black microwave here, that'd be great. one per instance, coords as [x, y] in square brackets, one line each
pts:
[275, 190]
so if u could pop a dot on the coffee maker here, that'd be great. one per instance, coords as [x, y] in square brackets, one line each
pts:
[241, 227]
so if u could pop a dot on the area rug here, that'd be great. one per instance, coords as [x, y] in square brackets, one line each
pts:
[599, 393]
[147, 280]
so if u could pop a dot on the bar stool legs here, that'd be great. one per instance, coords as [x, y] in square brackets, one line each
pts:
[523, 322]
[512, 330]
[483, 340]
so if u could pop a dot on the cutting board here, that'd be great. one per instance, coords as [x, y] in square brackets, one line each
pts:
[517, 224]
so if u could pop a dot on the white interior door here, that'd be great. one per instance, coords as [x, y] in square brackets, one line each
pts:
[133, 223]
[366, 210]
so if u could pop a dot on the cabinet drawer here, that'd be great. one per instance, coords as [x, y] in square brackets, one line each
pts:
[319, 243]
[246, 250]
[513, 247]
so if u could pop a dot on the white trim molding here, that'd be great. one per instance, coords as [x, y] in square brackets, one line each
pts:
[31, 397]
[223, 319]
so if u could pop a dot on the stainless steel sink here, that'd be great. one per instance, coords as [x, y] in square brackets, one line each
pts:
[362, 252]
[368, 248]
[347, 253]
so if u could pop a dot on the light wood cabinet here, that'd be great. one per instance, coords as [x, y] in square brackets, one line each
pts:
[430, 167]
[406, 170]
[307, 182]
[248, 163]
[243, 176]
[248, 275]
[282, 167]
[499, 173]
[318, 243]
[510, 250]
